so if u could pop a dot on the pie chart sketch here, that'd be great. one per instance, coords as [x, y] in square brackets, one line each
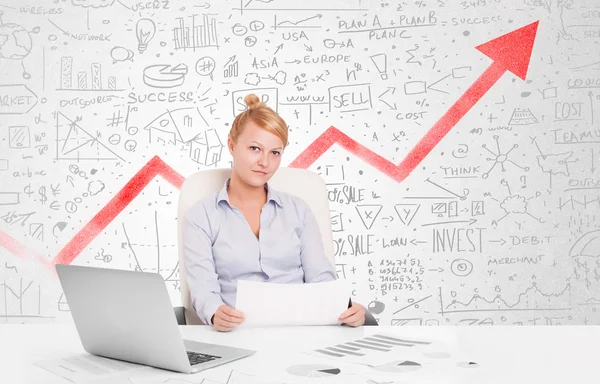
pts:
[313, 370]
[467, 364]
[398, 366]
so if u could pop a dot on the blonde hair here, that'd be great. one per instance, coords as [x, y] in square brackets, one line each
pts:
[263, 116]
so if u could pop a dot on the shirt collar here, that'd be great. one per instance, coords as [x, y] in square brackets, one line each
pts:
[271, 193]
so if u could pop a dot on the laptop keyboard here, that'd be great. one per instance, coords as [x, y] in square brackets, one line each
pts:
[199, 358]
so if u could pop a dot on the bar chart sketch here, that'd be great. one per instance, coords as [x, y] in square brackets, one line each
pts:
[84, 80]
[372, 350]
[230, 69]
[197, 35]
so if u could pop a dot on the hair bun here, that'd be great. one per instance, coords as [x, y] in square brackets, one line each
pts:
[253, 102]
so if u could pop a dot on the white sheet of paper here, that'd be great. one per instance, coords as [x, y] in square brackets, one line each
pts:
[85, 368]
[273, 304]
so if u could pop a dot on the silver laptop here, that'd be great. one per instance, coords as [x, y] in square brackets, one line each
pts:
[128, 316]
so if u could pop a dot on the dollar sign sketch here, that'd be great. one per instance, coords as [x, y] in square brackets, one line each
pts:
[42, 192]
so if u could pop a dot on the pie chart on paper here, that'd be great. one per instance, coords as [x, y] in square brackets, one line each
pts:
[313, 370]
[468, 364]
[398, 366]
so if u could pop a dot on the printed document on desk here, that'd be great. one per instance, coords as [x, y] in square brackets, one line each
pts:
[85, 368]
[273, 304]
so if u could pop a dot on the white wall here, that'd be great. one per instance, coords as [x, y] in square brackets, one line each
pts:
[497, 224]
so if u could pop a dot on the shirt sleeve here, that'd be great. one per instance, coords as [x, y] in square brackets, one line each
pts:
[316, 265]
[199, 264]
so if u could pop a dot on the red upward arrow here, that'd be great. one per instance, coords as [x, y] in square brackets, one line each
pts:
[510, 52]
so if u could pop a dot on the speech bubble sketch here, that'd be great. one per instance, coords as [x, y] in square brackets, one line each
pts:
[205, 66]
[121, 54]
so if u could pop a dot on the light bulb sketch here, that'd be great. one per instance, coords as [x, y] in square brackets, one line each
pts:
[144, 30]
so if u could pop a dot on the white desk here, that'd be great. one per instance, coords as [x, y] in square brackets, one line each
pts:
[506, 354]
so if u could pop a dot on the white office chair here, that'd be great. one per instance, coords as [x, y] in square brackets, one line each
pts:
[299, 182]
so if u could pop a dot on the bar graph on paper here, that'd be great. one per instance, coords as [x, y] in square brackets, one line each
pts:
[87, 80]
[372, 350]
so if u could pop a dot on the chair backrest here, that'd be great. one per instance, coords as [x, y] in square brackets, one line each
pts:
[299, 182]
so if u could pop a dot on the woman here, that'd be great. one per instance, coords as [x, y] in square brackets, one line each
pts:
[248, 231]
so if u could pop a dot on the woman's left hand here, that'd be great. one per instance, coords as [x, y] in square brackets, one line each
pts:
[354, 316]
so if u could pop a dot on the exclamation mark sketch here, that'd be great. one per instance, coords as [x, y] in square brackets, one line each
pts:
[380, 62]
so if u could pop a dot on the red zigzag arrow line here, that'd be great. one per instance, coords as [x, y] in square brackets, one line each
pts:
[104, 217]
[510, 52]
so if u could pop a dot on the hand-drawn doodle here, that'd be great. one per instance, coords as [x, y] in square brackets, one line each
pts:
[121, 54]
[15, 42]
[514, 204]
[380, 61]
[16, 99]
[22, 299]
[406, 212]
[165, 76]
[368, 213]
[93, 3]
[19, 137]
[587, 245]
[9, 198]
[206, 148]
[231, 68]
[75, 143]
[202, 35]
[531, 297]
[84, 83]
[144, 31]
[205, 66]
[179, 125]
[254, 78]
[500, 158]
[60, 226]
[461, 267]
[522, 117]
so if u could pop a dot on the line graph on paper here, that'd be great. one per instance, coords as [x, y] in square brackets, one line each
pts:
[531, 299]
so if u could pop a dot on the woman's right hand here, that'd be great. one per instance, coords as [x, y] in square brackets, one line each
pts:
[227, 318]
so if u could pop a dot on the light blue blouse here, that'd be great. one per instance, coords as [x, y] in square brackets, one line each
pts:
[220, 248]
